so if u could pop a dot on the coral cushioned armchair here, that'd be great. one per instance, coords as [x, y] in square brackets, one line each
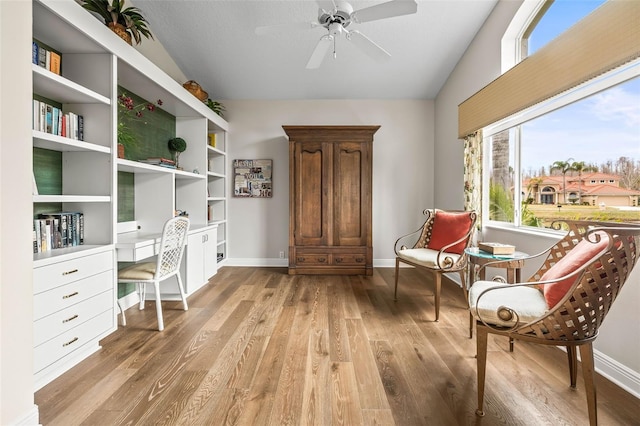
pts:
[438, 247]
[564, 303]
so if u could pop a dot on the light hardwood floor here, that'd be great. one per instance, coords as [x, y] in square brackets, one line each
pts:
[260, 347]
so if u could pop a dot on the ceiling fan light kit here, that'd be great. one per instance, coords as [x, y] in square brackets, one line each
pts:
[335, 16]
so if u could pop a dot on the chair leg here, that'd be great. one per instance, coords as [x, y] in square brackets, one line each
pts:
[181, 288]
[437, 277]
[124, 319]
[470, 325]
[572, 355]
[586, 357]
[158, 306]
[142, 291]
[481, 359]
[395, 291]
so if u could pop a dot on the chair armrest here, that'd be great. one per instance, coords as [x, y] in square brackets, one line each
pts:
[406, 239]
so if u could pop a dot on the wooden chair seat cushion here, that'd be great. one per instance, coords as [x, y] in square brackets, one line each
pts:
[528, 302]
[426, 257]
[138, 272]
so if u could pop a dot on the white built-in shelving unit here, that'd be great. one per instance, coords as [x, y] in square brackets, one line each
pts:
[75, 288]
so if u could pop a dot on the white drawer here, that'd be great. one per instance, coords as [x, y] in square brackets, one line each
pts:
[70, 294]
[62, 345]
[57, 274]
[59, 322]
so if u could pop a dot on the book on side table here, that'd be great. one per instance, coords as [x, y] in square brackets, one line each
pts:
[497, 248]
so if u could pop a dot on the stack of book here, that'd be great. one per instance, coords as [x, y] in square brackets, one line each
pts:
[46, 58]
[58, 230]
[50, 119]
[160, 161]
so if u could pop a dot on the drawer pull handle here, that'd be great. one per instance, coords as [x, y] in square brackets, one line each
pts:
[301, 259]
[73, 271]
[338, 260]
[70, 319]
[75, 339]
[322, 259]
[75, 293]
[359, 260]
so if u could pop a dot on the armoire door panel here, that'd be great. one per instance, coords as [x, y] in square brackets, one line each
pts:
[311, 203]
[348, 186]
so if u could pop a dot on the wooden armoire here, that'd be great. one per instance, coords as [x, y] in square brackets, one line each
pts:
[330, 183]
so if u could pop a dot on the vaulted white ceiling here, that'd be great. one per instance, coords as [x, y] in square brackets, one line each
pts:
[214, 42]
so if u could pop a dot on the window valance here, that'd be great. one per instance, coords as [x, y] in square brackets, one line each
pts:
[604, 40]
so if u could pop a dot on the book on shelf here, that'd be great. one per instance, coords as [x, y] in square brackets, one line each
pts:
[43, 56]
[54, 65]
[212, 139]
[160, 161]
[58, 230]
[497, 248]
[50, 119]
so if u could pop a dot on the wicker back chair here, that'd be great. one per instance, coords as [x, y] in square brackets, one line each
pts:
[601, 256]
[438, 247]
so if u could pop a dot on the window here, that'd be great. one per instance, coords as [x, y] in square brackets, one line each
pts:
[581, 160]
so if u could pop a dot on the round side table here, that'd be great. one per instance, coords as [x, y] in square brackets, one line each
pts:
[513, 264]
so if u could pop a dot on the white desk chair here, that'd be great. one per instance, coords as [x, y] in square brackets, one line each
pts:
[167, 264]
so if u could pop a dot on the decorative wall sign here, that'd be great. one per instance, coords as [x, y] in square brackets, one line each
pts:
[252, 178]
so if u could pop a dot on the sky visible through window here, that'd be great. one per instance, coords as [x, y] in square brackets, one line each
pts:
[595, 130]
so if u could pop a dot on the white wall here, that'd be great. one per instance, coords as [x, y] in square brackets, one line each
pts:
[403, 164]
[618, 344]
[16, 260]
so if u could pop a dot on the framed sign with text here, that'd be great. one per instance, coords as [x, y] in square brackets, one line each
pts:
[252, 178]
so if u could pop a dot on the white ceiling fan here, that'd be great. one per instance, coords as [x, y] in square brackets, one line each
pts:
[335, 16]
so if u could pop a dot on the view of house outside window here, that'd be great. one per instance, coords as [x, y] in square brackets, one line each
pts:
[581, 161]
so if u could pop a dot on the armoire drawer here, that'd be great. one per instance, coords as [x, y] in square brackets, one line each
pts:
[64, 320]
[67, 342]
[61, 273]
[312, 258]
[62, 297]
[349, 259]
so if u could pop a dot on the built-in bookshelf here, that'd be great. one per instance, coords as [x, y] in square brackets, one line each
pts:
[84, 176]
[217, 189]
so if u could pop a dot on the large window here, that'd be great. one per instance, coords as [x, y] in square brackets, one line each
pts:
[581, 159]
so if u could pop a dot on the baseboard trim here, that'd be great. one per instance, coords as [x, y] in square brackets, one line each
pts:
[617, 373]
[258, 262]
[30, 418]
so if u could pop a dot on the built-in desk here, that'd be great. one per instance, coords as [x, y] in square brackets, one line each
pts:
[200, 258]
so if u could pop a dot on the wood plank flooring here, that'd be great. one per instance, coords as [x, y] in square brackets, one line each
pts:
[260, 347]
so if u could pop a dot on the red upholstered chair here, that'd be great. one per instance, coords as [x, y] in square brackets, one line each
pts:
[438, 247]
[565, 302]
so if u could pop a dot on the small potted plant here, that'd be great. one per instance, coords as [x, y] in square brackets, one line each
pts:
[215, 106]
[177, 146]
[125, 22]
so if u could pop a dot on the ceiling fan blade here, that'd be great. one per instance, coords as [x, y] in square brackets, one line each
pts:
[280, 29]
[385, 10]
[320, 52]
[368, 46]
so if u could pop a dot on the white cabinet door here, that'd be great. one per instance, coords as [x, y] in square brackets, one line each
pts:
[210, 255]
[199, 259]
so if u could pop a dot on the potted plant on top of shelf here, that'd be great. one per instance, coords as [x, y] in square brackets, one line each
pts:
[125, 22]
